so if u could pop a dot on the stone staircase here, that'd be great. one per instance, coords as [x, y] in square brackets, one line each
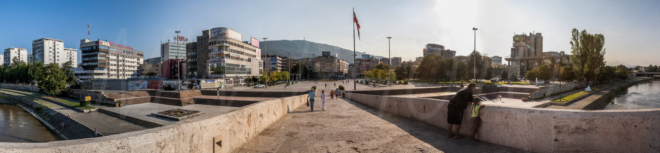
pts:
[133, 120]
[71, 129]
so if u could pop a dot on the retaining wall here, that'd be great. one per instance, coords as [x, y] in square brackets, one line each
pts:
[199, 135]
[538, 130]
[555, 89]
[24, 87]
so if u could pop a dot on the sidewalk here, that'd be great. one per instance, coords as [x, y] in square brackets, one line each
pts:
[348, 126]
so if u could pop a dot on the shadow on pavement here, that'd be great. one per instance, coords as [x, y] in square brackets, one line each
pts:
[433, 135]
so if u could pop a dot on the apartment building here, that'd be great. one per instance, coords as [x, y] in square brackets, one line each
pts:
[222, 54]
[15, 52]
[108, 60]
[48, 50]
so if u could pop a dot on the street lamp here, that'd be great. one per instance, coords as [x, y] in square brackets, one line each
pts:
[178, 73]
[474, 53]
[389, 57]
[265, 74]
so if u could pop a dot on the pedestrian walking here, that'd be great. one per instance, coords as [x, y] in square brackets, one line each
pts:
[323, 100]
[332, 94]
[310, 96]
[335, 84]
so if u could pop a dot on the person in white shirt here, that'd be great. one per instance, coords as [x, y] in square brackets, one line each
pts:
[323, 100]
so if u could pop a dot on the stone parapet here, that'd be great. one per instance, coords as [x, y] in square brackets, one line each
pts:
[538, 130]
[222, 133]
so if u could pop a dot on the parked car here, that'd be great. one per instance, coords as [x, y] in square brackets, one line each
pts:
[259, 86]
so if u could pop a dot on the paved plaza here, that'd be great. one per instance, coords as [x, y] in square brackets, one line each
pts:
[347, 126]
[143, 111]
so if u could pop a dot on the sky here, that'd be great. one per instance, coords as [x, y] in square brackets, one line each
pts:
[628, 26]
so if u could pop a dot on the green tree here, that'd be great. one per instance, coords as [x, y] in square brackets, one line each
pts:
[53, 81]
[544, 72]
[35, 71]
[273, 76]
[382, 66]
[71, 78]
[566, 73]
[284, 75]
[608, 72]
[588, 54]
[622, 72]
[531, 75]
[504, 75]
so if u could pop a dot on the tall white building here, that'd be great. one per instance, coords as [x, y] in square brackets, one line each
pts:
[173, 50]
[48, 50]
[11, 53]
[2, 58]
[108, 60]
[222, 54]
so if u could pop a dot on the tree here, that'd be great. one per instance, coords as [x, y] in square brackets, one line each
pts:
[151, 74]
[482, 64]
[504, 75]
[608, 73]
[588, 54]
[35, 71]
[284, 75]
[622, 72]
[531, 75]
[566, 73]
[54, 81]
[544, 72]
[382, 66]
[71, 78]
[273, 76]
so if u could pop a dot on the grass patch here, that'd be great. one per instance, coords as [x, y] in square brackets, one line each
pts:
[505, 82]
[72, 103]
[570, 97]
[43, 103]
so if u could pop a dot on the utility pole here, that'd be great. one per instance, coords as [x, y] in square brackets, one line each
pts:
[389, 57]
[474, 54]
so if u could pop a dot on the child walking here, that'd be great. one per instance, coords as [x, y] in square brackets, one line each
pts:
[332, 94]
[323, 100]
[475, 119]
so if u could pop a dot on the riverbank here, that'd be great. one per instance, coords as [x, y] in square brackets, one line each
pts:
[20, 124]
[598, 99]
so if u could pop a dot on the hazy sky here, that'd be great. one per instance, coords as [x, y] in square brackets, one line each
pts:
[628, 26]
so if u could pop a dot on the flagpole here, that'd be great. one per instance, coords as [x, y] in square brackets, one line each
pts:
[354, 64]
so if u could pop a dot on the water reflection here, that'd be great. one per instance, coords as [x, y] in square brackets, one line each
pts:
[17, 125]
[640, 96]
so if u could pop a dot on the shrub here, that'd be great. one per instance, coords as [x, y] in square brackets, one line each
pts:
[84, 103]
[493, 81]
[168, 87]
[40, 107]
[405, 82]
[314, 87]
[341, 87]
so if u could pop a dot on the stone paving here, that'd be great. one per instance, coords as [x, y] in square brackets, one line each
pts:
[348, 126]
[143, 111]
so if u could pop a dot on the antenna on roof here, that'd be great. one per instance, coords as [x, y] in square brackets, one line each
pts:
[88, 26]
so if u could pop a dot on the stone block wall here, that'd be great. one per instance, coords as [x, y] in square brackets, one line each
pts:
[538, 130]
[24, 87]
[547, 91]
[197, 135]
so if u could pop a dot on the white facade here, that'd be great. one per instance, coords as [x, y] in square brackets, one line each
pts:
[48, 50]
[11, 53]
[108, 60]
[232, 58]
[2, 58]
[171, 50]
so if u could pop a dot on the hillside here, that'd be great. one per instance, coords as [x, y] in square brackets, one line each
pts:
[298, 49]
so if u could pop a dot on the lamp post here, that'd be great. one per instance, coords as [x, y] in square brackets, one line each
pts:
[265, 72]
[178, 73]
[389, 57]
[474, 53]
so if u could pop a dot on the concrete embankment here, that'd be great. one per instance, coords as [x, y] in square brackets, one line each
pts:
[538, 130]
[222, 133]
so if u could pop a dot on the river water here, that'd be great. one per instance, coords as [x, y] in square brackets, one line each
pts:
[17, 125]
[641, 96]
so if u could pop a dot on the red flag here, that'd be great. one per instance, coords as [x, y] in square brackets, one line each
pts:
[356, 23]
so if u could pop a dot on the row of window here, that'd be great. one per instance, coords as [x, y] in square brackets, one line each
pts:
[233, 44]
[94, 58]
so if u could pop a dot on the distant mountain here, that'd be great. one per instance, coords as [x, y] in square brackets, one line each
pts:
[297, 49]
